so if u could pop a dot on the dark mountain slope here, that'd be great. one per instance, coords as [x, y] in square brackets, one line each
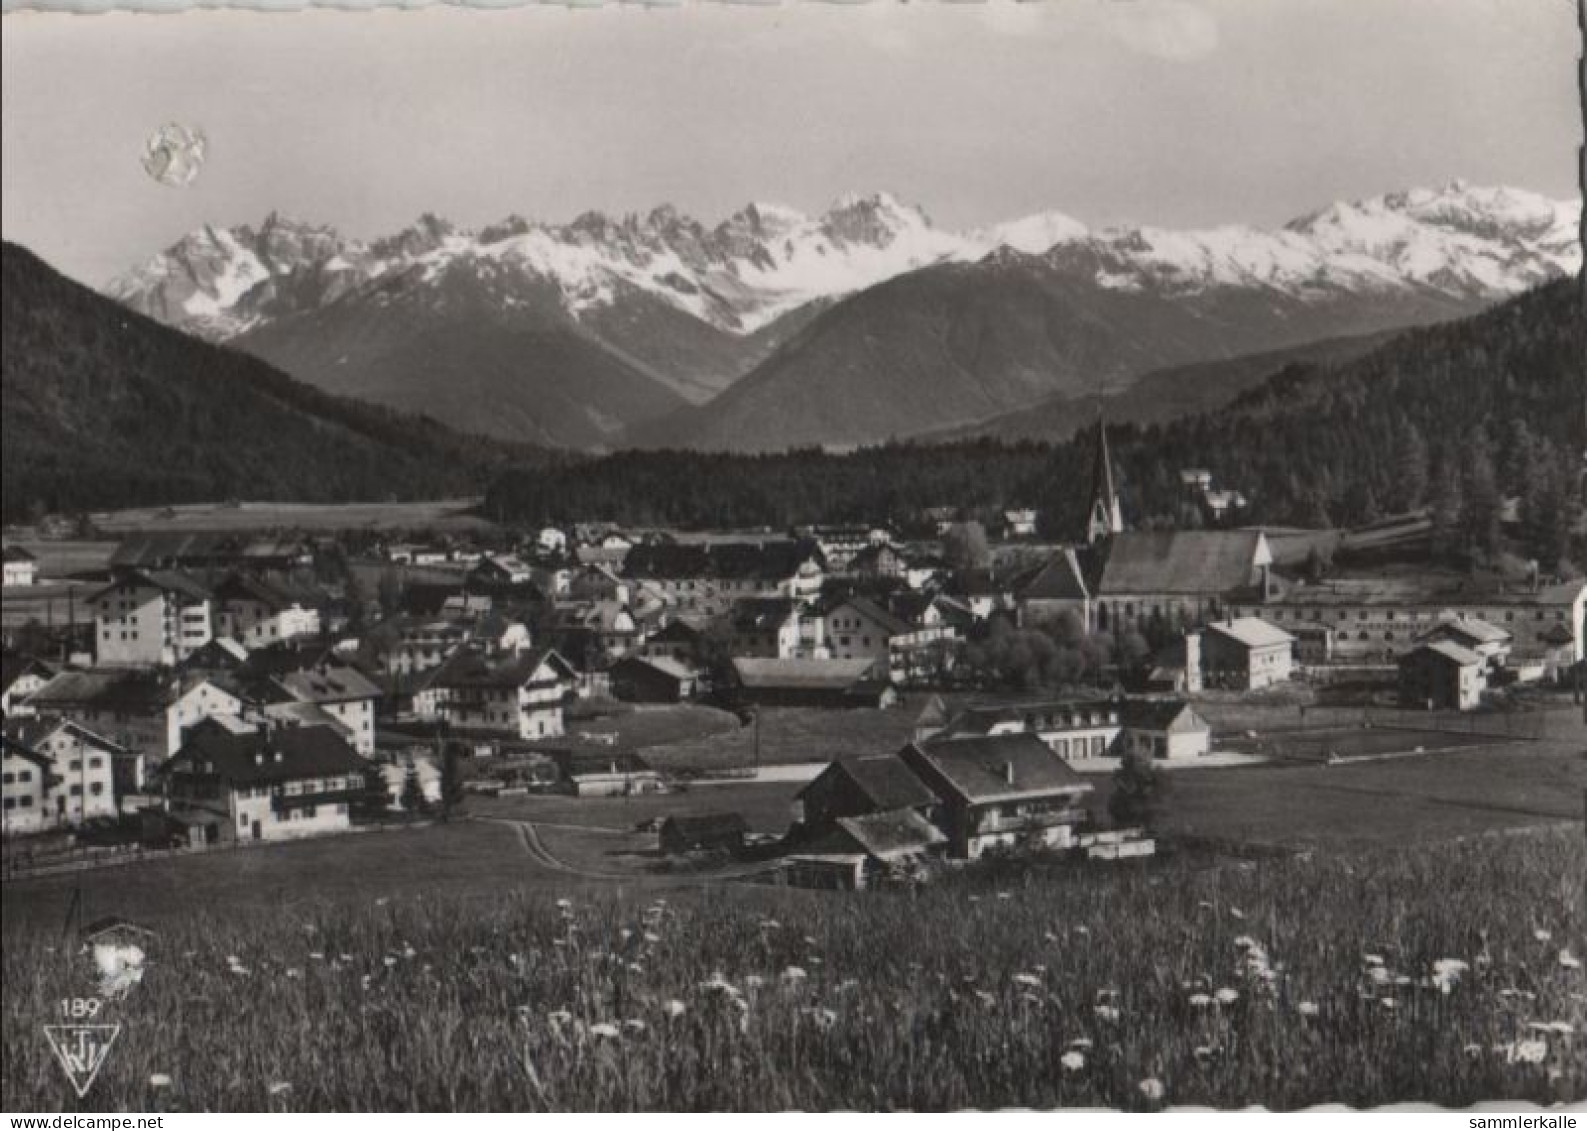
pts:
[102, 407]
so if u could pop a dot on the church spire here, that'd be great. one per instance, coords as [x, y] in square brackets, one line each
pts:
[1105, 519]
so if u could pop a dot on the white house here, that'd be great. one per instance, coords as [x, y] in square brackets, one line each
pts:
[258, 613]
[21, 567]
[1246, 654]
[151, 617]
[344, 693]
[274, 783]
[859, 628]
[24, 789]
[79, 781]
[520, 694]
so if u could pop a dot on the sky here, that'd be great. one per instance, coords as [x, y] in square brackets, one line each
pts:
[1169, 112]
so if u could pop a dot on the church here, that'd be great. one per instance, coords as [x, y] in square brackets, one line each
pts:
[1116, 579]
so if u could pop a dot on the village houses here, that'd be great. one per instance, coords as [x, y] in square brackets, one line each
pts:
[151, 617]
[21, 567]
[519, 695]
[57, 773]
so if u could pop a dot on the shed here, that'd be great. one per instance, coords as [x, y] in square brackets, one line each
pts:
[691, 833]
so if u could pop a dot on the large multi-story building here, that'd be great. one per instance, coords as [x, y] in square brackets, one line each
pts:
[706, 579]
[151, 617]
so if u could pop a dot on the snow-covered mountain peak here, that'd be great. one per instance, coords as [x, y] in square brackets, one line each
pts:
[767, 259]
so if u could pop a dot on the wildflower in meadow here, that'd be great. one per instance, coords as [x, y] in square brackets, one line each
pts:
[1236, 913]
[1473, 1050]
[1026, 980]
[1073, 1060]
[1447, 972]
[1542, 934]
[559, 1017]
[1307, 1009]
[1372, 960]
[1203, 1052]
[1227, 996]
[1525, 1052]
[389, 960]
[159, 1080]
[794, 974]
[674, 1008]
[652, 937]
[1568, 960]
[120, 968]
[317, 956]
[382, 901]
[279, 1088]
[605, 1030]
[634, 1025]
[1108, 1013]
[1152, 1089]
[1200, 1001]
[1082, 1043]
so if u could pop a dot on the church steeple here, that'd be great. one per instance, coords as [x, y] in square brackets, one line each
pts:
[1105, 519]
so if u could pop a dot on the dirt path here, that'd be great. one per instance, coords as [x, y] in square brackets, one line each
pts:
[535, 848]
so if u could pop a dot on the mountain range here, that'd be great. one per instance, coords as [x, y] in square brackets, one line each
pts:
[106, 408]
[774, 328]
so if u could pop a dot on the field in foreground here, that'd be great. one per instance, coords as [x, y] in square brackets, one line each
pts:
[1440, 973]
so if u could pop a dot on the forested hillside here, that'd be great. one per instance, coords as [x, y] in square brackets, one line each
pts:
[106, 408]
[1454, 417]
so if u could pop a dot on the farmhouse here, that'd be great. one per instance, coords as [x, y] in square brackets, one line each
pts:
[1489, 641]
[705, 831]
[1001, 791]
[811, 683]
[853, 787]
[675, 640]
[660, 679]
[519, 695]
[151, 617]
[1246, 654]
[852, 853]
[21, 567]
[1442, 674]
[80, 772]
[278, 783]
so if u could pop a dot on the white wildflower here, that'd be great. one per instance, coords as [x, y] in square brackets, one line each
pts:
[1151, 1088]
[1227, 996]
[1073, 1060]
[160, 1080]
[279, 1088]
[1307, 1009]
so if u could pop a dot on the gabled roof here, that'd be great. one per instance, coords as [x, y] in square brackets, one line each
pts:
[470, 668]
[11, 748]
[1474, 629]
[18, 554]
[675, 631]
[705, 824]
[1178, 561]
[883, 780]
[1059, 579]
[328, 684]
[1156, 714]
[890, 834]
[666, 665]
[138, 551]
[1252, 632]
[836, 675]
[251, 759]
[1447, 650]
[273, 594]
[168, 581]
[933, 713]
[980, 769]
[133, 692]
[30, 730]
[871, 611]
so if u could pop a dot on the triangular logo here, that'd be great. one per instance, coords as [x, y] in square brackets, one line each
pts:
[82, 1050]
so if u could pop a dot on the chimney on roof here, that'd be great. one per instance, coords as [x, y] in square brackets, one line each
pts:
[1008, 772]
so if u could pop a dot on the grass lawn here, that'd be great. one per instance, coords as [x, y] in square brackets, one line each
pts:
[63, 558]
[645, 727]
[444, 514]
[765, 805]
[47, 604]
[794, 734]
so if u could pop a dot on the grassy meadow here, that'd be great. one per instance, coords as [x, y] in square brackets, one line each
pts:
[1448, 973]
